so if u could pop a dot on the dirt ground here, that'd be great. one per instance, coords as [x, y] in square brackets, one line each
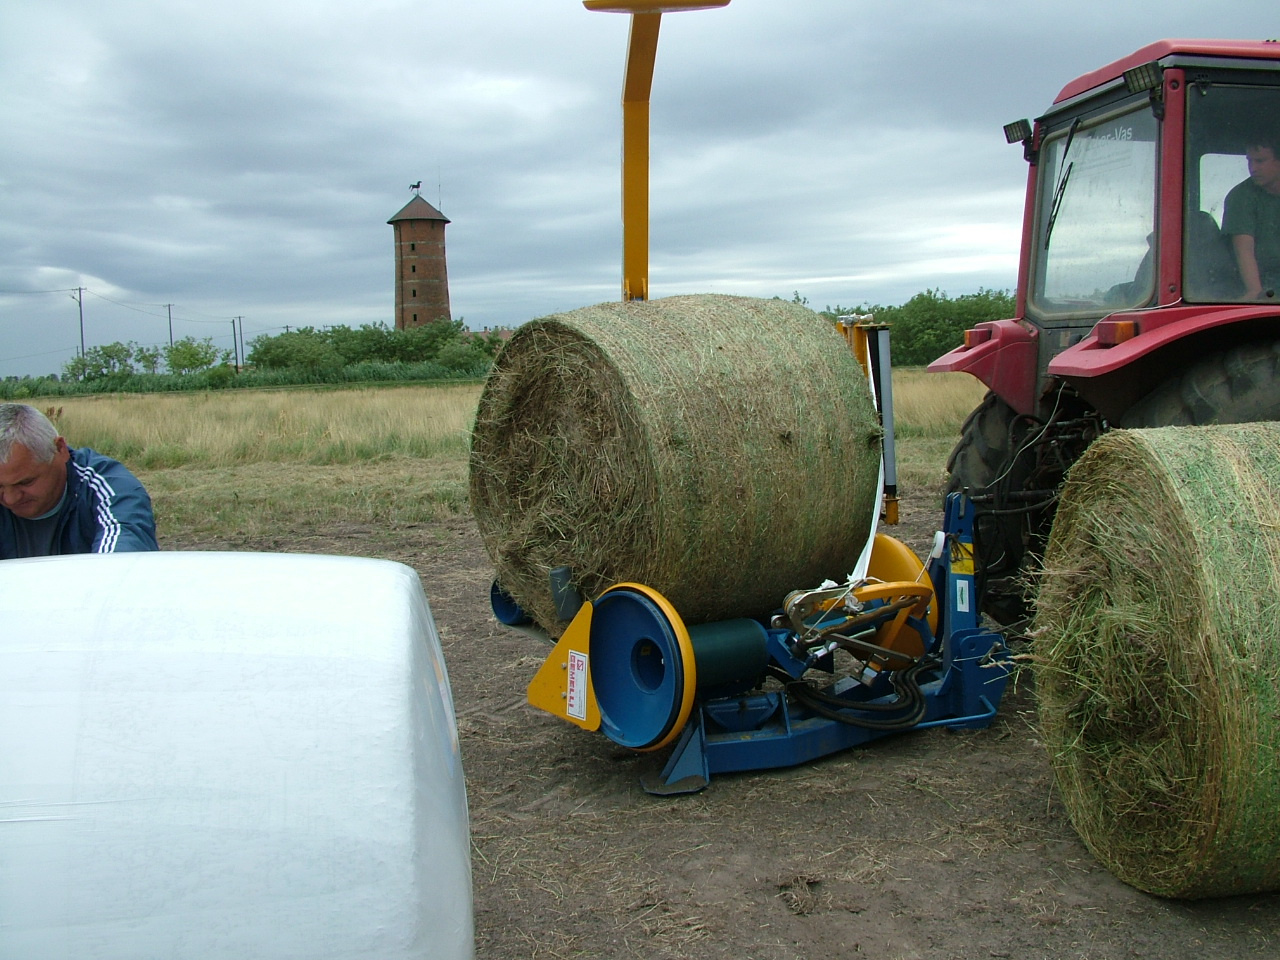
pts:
[932, 844]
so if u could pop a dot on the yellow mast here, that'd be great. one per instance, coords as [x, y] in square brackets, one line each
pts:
[646, 16]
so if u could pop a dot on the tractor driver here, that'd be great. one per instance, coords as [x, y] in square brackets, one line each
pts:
[1251, 216]
[55, 500]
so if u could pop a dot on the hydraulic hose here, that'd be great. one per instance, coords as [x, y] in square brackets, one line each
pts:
[906, 685]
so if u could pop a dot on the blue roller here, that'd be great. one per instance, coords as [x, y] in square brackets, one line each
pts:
[647, 666]
[639, 667]
[505, 607]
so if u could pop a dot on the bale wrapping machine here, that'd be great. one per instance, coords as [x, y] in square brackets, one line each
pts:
[896, 647]
[899, 643]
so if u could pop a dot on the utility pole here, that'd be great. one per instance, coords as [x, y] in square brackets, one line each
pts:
[242, 353]
[235, 348]
[79, 299]
[169, 307]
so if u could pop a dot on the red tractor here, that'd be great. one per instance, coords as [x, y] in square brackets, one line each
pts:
[1133, 308]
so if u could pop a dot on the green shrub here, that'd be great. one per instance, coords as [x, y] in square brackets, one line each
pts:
[931, 323]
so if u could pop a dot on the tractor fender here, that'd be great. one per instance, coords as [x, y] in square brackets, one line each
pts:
[1127, 355]
[1002, 354]
[1105, 349]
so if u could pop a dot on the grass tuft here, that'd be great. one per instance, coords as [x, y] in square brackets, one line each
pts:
[318, 427]
[255, 463]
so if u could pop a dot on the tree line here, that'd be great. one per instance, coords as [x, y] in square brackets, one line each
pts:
[931, 323]
[121, 360]
[923, 328]
[444, 342]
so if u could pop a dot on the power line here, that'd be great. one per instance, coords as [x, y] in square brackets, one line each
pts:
[135, 306]
[32, 356]
[130, 306]
[188, 320]
[77, 293]
[186, 315]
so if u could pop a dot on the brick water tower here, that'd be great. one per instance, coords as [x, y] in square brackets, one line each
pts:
[422, 281]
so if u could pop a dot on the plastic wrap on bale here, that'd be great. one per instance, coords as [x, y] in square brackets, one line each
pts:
[722, 450]
[227, 755]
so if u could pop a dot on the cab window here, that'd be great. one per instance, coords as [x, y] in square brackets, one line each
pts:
[1096, 215]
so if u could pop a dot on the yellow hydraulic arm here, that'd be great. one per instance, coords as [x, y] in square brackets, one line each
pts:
[646, 15]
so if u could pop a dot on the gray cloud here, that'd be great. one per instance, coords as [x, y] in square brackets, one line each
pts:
[243, 159]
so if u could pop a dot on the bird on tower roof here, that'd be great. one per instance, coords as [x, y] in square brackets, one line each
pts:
[419, 209]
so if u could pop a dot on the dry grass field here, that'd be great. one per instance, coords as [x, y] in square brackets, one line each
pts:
[256, 461]
[929, 845]
[317, 426]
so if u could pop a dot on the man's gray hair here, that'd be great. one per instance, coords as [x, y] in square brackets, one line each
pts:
[20, 423]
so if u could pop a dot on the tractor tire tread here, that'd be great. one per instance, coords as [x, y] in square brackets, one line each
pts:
[1238, 385]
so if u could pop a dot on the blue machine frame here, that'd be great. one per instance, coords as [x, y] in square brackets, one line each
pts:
[630, 673]
[768, 730]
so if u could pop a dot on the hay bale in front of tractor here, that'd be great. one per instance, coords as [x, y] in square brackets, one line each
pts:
[722, 450]
[1158, 649]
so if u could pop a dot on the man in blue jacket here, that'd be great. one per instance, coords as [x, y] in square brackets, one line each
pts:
[56, 500]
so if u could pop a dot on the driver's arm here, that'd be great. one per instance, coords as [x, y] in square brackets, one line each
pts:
[1247, 261]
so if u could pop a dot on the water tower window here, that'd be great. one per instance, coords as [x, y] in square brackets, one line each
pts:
[413, 246]
[413, 268]
[415, 318]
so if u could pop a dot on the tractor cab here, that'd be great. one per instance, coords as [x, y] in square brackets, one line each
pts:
[1130, 297]
[1106, 205]
[1122, 235]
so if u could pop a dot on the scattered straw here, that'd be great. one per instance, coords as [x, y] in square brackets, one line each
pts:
[1159, 656]
[722, 450]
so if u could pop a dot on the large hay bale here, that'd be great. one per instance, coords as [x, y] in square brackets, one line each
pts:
[1158, 644]
[722, 450]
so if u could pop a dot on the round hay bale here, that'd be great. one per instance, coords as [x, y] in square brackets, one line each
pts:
[721, 450]
[1158, 649]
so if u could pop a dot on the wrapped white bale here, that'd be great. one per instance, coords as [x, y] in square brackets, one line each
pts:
[227, 756]
[722, 450]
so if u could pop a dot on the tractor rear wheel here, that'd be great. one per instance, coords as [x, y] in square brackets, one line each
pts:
[1239, 385]
[990, 463]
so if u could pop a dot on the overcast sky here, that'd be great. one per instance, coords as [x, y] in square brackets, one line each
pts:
[242, 159]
